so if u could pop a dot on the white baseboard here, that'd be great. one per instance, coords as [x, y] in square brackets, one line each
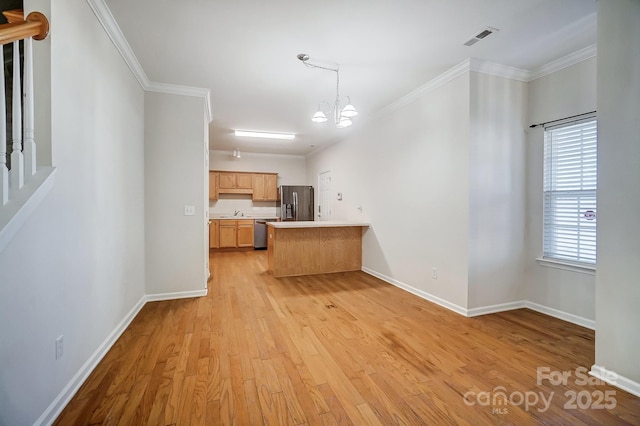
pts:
[420, 293]
[615, 379]
[177, 295]
[484, 310]
[63, 398]
[565, 316]
[492, 309]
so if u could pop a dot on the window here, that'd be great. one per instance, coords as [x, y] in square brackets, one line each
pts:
[570, 186]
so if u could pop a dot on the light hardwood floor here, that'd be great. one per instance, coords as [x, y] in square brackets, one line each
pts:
[331, 349]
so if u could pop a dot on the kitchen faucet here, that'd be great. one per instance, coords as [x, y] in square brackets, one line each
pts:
[238, 212]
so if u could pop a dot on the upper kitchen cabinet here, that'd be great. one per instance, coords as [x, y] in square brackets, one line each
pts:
[235, 183]
[213, 185]
[265, 186]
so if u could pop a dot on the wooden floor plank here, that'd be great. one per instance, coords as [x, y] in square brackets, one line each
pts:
[332, 349]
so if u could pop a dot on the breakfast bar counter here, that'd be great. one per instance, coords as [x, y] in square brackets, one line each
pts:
[314, 247]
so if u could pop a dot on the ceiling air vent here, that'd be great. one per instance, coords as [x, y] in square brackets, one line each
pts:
[480, 36]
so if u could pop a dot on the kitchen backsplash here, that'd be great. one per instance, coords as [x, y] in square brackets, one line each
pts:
[230, 203]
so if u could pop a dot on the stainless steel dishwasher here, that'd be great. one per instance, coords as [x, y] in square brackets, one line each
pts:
[260, 233]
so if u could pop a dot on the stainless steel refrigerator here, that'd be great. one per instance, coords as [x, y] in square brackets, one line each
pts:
[295, 203]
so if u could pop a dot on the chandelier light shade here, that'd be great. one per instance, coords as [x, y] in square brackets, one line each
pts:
[319, 116]
[344, 122]
[349, 110]
[342, 115]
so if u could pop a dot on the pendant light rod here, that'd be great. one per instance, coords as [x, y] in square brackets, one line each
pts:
[305, 60]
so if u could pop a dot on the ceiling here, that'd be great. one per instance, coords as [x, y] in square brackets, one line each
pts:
[244, 51]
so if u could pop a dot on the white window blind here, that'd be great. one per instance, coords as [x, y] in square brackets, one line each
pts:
[570, 186]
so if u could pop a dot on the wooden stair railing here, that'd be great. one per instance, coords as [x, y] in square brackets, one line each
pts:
[23, 153]
[36, 25]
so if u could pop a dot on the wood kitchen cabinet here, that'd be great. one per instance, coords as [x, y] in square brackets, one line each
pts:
[235, 183]
[214, 239]
[261, 186]
[235, 233]
[265, 187]
[244, 232]
[227, 234]
[226, 180]
[213, 185]
[244, 181]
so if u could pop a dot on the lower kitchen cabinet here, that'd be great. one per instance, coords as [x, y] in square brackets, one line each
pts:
[245, 232]
[227, 232]
[235, 233]
[214, 239]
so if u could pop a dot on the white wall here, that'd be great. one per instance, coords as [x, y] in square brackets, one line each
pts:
[76, 268]
[175, 176]
[617, 282]
[496, 190]
[565, 93]
[291, 169]
[409, 171]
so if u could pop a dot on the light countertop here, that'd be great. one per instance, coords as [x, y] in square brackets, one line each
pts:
[317, 224]
[225, 217]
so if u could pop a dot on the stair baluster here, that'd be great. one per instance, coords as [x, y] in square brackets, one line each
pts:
[17, 157]
[29, 150]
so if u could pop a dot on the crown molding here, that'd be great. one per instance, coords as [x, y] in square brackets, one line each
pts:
[469, 64]
[174, 89]
[430, 86]
[108, 22]
[564, 62]
[499, 70]
[111, 27]
[489, 68]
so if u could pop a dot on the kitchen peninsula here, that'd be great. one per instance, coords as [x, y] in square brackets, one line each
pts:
[314, 247]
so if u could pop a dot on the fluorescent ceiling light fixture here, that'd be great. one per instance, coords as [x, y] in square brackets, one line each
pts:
[265, 135]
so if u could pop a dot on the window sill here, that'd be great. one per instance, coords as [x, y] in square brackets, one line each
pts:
[567, 266]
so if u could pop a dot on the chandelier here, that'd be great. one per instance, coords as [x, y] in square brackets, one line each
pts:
[342, 115]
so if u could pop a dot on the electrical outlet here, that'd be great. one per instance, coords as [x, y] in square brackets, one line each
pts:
[434, 273]
[59, 347]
